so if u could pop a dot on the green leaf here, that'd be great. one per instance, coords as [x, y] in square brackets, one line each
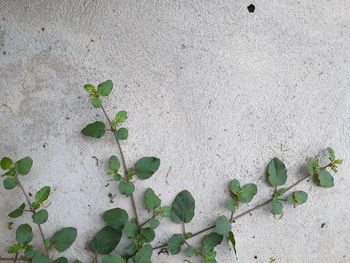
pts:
[175, 243]
[114, 164]
[116, 218]
[324, 178]
[40, 217]
[14, 248]
[222, 226]
[121, 116]
[112, 258]
[312, 165]
[231, 238]
[235, 186]
[277, 172]
[280, 192]
[10, 183]
[96, 129]
[297, 197]
[247, 193]
[121, 134]
[148, 234]
[11, 173]
[183, 207]
[43, 194]
[126, 188]
[152, 201]
[331, 154]
[106, 240]
[105, 88]
[131, 229]
[90, 88]
[6, 163]
[276, 207]
[231, 204]
[146, 167]
[190, 252]
[29, 252]
[210, 241]
[40, 258]
[96, 102]
[64, 238]
[61, 260]
[47, 243]
[210, 257]
[24, 165]
[18, 212]
[24, 234]
[144, 254]
[153, 223]
[131, 249]
[165, 211]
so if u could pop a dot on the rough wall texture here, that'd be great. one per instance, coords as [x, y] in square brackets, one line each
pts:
[211, 89]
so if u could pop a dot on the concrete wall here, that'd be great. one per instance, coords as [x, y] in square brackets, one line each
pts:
[212, 90]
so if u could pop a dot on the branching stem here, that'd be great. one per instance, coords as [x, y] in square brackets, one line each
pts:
[133, 203]
[32, 211]
[234, 218]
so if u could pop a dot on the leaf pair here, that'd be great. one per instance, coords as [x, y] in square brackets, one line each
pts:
[22, 167]
[103, 89]
[238, 194]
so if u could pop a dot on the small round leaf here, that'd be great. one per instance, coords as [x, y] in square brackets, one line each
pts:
[40, 217]
[222, 226]
[106, 240]
[115, 218]
[146, 167]
[126, 188]
[24, 234]
[96, 129]
[10, 183]
[24, 165]
[64, 238]
[175, 243]
[277, 172]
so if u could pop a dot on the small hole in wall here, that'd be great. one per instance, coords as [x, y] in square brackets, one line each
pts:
[251, 8]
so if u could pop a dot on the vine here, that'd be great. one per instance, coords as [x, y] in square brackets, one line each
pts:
[140, 235]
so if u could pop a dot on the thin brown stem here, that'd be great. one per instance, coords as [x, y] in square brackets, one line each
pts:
[297, 182]
[132, 198]
[33, 211]
[149, 219]
[14, 261]
[234, 218]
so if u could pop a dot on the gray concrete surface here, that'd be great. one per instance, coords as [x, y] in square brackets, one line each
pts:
[211, 89]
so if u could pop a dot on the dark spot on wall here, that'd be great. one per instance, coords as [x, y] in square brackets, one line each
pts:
[256, 257]
[323, 225]
[4, 52]
[183, 46]
[251, 8]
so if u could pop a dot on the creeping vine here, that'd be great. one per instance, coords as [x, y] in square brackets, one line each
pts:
[141, 234]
